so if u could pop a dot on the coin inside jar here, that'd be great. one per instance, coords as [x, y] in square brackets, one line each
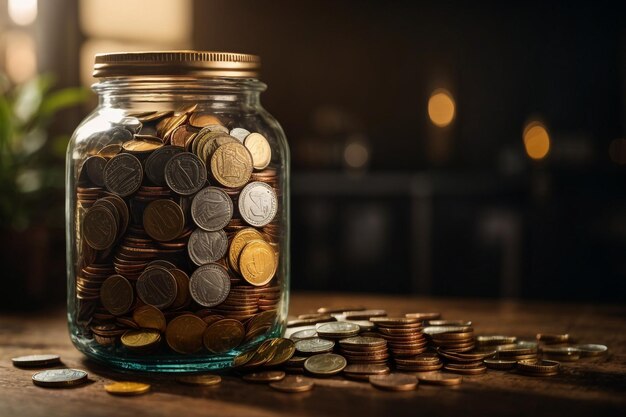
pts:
[209, 285]
[99, 227]
[206, 247]
[258, 204]
[231, 165]
[212, 209]
[257, 262]
[157, 286]
[238, 242]
[163, 220]
[223, 335]
[123, 174]
[259, 149]
[185, 173]
[184, 333]
[117, 295]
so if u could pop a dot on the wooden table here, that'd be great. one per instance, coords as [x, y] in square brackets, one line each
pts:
[587, 387]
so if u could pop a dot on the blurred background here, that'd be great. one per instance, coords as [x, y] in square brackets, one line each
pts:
[439, 148]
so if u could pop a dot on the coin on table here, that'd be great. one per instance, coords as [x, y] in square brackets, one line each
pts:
[495, 340]
[185, 173]
[99, 227]
[206, 247]
[562, 353]
[258, 204]
[293, 384]
[283, 351]
[325, 364]
[424, 316]
[157, 287]
[94, 168]
[59, 378]
[257, 262]
[551, 338]
[394, 382]
[338, 329]
[437, 378]
[357, 342]
[231, 165]
[35, 361]
[239, 133]
[366, 369]
[209, 285]
[238, 242]
[155, 164]
[592, 349]
[201, 380]
[163, 220]
[500, 364]
[538, 368]
[314, 345]
[117, 295]
[259, 149]
[127, 388]
[303, 334]
[149, 317]
[123, 174]
[211, 209]
[264, 376]
[184, 333]
[141, 339]
[223, 335]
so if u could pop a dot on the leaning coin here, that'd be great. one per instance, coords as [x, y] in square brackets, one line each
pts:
[157, 286]
[231, 165]
[394, 382]
[155, 164]
[264, 376]
[36, 361]
[257, 262]
[258, 204]
[211, 209]
[127, 388]
[293, 384]
[203, 380]
[163, 220]
[59, 378]
[325, 364]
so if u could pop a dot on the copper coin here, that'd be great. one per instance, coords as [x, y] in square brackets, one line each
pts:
[35, 361]
[223, 335]
[99, 227]
[212, 209]
[123, 174]
[163, 220]
[155, 164]
[325, 364]
[293, 384]
[394, 382]
[94, 167]
[437, 378]
[149, 317]
[183, 297]
[185, 173]
[157, 286]
[201, 380]
[184, 333]
[117, 295]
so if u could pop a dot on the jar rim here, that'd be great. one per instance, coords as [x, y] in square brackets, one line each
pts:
[177, 63]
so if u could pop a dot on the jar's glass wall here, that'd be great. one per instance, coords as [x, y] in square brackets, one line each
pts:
[177, 224]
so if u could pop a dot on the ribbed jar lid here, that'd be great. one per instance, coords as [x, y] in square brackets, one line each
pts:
[177, 63]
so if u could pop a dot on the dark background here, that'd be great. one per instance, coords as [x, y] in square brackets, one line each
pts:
[454, 211]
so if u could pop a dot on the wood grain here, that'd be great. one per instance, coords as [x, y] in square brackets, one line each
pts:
[588, 387]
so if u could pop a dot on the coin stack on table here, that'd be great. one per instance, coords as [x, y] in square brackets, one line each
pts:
[177, 235]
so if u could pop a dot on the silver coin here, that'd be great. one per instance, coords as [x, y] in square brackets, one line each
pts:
[57, 378]
[591, 349]
[303, 334]
[209, 285]
[206, 247]
[325, 364]
[185, 173]
[314, 345]
[338, 328]
[258, 204]
[123, 174]
[157, 287]
[30, 361]
[212, 209]
[239, 133]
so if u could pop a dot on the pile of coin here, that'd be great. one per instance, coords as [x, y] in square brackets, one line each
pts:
[452, 336]
[467, 363]
[177, 234]
[364, 350]
[519, 351]
[403, 335]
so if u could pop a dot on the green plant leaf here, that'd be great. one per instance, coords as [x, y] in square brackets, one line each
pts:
[62, 99]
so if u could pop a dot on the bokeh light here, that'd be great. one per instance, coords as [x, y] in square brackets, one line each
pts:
[356, 155]
[22, 12]
[441, 108]
[536, 140]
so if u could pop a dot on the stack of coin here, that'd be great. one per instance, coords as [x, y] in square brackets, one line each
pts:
[451, 336]
[337, 330]
[465, 363]
[426, 362]
[520, 351]
[561, 353]
[538, 368]
[364, 350]
[490, 342]
[175, 214]
[403, 335]
[362, 372]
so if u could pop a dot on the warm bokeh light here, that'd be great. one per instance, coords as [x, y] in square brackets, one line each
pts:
[22, 12]
[536, 140]
[617, 151]
[356, 155]
[441, 108]
[21, 56]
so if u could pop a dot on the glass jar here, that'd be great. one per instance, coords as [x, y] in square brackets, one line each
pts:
[177, 213]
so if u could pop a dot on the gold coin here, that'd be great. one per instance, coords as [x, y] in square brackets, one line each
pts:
[138, 146]
[127, 388]
[241, 239]
[231, 165]
[285, 349]
[257, 262]
[184, 333]
[259, 149]
[223, 335]
[140, 339]
[149, 317]
[204, 380]
[199, 119]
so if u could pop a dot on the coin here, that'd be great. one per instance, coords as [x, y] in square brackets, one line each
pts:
[339, 329]
[259, 149]
[199, 119]
[366, 369]
[495, 340]
[117, 295]
[36, 361]
[185, 173]
[149, 317]
[157, 286]
[238, 242]
[257, 262]
[362, 342]
[283, 352]
[303, 334]
[325, 364]
[203, 380]
[538, 368]
[293, 384]
[141, 339]
[183, 297]
[258, 204]
[206, 247]
[211, 209]
[155, 164]
[552, 338]
[459, 369]
[436, 378]
[592, 349]
[231, 165]
[127, 388]
[184, 333]
[209, 285]
[94, 167]
[423, 316]
[500, 364]
[562, 353]
[223, 335]
[163, 220]
[239, 133]
[99, 228]
[394, 382]
[59, 378]
[142, 144]
[123, 174]
[264, 376]
[314, 345]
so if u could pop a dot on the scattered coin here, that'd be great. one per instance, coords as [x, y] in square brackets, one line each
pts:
[500, 364]
[127, 388]
[325, 364]
[394, 382]
[264, 376]
[59, 378]
[293, 384]
[36, 361]
[203, 380]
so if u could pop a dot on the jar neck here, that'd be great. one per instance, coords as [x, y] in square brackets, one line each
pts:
[142, 92]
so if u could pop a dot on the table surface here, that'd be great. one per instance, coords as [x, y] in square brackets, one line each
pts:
[587, 387]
